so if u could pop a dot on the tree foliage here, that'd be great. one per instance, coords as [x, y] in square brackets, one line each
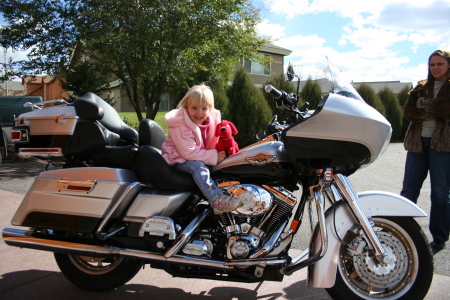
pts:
[281, 84]
[81, 80]
[311, 92]
[393, 111]
[152, 47]
[221, 101]
[371, 98]
[249, 110]
[402, 97]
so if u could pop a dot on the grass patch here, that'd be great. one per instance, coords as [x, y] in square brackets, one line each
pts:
[132, 120]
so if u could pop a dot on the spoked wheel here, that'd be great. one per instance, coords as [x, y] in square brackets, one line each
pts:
[97, 273]
[408, 276]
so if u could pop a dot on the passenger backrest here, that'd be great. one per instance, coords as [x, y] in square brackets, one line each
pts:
[92, 107]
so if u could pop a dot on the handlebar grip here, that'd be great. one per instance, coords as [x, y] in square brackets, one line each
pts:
[273, 91]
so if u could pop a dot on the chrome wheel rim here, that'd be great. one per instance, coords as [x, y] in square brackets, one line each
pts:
[95, 265]
[368, 278]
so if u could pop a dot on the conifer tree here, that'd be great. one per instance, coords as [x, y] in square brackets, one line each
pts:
[393, 111]
[402, 97]
[281, 84]
[249, 110]
[221, 101]
[312, 93]
[371, 98]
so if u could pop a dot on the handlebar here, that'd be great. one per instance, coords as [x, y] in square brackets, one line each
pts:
[282, 99]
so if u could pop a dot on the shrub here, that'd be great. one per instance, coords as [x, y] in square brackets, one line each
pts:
[312, 93]
[371, 98]
[280, 83]
[402, 97]
[248, 109]
[393, 111]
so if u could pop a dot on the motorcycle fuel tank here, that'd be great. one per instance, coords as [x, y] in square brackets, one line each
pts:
[342, 132]
[262, 158]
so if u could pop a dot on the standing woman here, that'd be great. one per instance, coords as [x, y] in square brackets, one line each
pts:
[428, 144]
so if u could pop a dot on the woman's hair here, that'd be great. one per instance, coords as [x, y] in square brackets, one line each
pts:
[198, 95]
[429, 86]
[442, 53]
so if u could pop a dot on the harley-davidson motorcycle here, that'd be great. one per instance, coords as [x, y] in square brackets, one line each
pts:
[116, 205]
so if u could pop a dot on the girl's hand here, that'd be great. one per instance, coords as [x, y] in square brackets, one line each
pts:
[221, 156]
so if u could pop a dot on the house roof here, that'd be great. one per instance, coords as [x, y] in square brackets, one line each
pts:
[37, 79]
[270, 48]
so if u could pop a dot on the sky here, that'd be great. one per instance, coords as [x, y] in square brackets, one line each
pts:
[368, 40]
[376, 40]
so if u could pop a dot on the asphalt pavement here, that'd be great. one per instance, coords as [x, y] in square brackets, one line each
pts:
[32, 274]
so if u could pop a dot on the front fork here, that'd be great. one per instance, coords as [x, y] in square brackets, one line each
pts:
[346, 190]
[336, 187]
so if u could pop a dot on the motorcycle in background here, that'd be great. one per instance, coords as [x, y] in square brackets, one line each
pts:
[116, 204]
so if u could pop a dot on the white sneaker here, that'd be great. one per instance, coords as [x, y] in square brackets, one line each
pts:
[225, 204]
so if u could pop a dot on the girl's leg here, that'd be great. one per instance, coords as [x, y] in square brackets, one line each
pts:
[202, 178]
[220, 201]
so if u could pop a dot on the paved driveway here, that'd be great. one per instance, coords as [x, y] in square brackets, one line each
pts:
[32, 274]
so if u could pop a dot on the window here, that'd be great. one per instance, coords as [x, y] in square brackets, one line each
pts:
[164, 105]
[254, 67]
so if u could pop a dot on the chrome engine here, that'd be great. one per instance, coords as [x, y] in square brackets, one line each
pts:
[250, 227]
[251, 231]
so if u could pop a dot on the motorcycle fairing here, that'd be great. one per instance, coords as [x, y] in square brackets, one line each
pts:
[342, 132]
[340, 219]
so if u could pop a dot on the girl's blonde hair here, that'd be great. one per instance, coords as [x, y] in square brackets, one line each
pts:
[198, 95]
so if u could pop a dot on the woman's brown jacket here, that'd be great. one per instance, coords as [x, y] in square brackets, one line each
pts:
[430, 107]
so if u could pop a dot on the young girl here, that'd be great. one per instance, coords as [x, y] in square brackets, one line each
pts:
[190, 146]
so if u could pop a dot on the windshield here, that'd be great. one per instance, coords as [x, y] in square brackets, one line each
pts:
[341, 85]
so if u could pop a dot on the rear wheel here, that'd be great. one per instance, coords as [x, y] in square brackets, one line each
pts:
[97, 273]
[409, 275]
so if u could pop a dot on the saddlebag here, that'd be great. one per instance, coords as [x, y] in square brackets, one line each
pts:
[73, 199]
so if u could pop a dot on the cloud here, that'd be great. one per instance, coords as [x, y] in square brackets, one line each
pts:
[275, 31]
[376, 43]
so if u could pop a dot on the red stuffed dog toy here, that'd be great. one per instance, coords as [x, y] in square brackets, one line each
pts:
[225, 131]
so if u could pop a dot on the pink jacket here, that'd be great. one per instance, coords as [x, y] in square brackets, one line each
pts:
[185, 141]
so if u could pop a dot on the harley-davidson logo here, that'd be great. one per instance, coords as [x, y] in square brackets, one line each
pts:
[260, 159]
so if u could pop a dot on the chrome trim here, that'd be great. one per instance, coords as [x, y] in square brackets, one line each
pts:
[22, 238]
[297, 265]
[186, 235]
[101, 235]
[299, 257]
[345, 187]
[270, 244]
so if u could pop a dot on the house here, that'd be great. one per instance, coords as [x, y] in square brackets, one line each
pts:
[46, 87]
[12, 88]
[395, 86]
[258, 74]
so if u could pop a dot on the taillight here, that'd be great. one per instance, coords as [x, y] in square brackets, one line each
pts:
[19, 135]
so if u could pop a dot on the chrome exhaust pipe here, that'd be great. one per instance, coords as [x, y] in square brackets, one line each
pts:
[24, 239]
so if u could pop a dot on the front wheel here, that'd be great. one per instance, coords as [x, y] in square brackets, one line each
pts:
[409, 275]
[97, 273]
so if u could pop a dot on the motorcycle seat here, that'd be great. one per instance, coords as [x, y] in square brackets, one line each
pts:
[151, 133]
[92, 107]
[149, 166]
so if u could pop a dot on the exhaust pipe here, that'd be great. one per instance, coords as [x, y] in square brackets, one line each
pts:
[24, 239]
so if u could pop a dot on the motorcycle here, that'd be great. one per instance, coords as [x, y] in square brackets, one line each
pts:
[115, 204]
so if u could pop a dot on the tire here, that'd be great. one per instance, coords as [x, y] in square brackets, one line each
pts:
[97, 273]
[408, 277]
